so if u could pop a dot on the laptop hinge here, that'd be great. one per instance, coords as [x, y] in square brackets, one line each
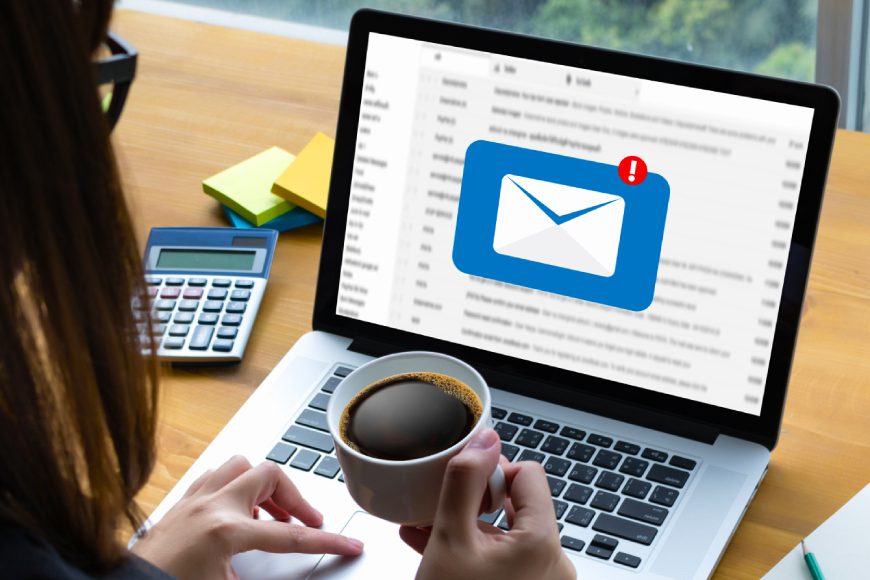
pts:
[567, 397]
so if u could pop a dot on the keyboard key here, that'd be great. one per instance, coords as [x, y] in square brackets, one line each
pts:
[328, 467]
[529, 438]
[578, 493]
[627, 560]
[683, 462]
[529, 455]
[183, 318]
[556, 466]
[547, 426]
[509, 451]
[520, 419]
[320, 401]
[637, 488]
[581, 452]
[227, 332]
[231, 320]
[604, 542]
[173, 343]
[559, 507]
[609, 480]
[498, 413]
[555, 445]
[663, 474]
[505, 431]
[236, 307]
[222, 345]
[216, 294]
[201, 337]
[220, 283]
[559, 526]
[192, 293]
[188, 305]
[162, 316]
[308, 438]
[599, 552]
[572, 433]
[604, 501]
[664, 496]
[625, 529]
[313, 419]
[572, 543]
[305, 459]
[599, 440]
[607, 459]
[170, 293]
[153, 281]
[330, 385]
[280, 453]
[634, 466]
[208, 318]
[582, 473]
[654, 455]
[556, 485]
[197, 282]
[342, 371]
[164, 304]
[580, 516]
[629, 448]
[240, 295]
[642, 512]
[244, 283]
[175, 281]
[179, 330]
[212, 306]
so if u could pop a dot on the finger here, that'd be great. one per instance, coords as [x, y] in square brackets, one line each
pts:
[281, 537]
[416, 538]
[197, 484]
[530, 497]
[255, 513]
[267, 481]
[223, 475]
[509, 512]
[465, 482]
[275, 511]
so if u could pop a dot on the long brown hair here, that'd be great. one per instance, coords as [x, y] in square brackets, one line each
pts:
[77, 398]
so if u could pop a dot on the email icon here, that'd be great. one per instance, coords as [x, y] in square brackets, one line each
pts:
[560, 224]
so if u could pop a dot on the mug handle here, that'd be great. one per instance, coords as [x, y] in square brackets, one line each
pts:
[497, 490]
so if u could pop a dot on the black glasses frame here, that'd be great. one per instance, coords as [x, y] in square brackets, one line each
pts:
[119, 69]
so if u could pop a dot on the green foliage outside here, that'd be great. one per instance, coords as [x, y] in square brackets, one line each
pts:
[772, 37]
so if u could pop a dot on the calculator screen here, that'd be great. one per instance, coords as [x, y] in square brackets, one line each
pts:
[173, 259]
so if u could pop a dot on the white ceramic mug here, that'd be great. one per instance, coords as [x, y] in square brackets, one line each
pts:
[406, 492]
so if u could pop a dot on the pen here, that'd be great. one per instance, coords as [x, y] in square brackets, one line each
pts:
[812, 564]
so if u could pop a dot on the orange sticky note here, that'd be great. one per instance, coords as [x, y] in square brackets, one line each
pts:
[306, 181]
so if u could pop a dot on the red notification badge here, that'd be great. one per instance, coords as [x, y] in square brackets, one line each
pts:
[632, 170]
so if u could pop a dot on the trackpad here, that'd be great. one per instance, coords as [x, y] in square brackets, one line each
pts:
[385, 555]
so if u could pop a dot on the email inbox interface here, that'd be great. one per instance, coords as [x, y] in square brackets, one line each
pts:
[672, 285]
[559, 224]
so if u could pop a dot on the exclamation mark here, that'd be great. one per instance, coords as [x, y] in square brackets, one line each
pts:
[632, 170]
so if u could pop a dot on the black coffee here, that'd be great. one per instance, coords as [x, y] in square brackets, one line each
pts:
[409, 416]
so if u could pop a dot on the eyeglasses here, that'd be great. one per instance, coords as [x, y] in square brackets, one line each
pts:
[119, 70]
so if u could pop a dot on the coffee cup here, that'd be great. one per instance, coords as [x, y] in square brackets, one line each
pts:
[406, 491]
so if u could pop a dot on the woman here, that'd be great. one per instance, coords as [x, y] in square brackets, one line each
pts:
[78, 401]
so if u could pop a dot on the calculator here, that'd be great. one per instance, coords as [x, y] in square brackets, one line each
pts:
[205, 286]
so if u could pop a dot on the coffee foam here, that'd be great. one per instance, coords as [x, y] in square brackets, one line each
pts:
[448, 384]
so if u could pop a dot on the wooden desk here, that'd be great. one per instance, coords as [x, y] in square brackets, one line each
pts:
[207, 97]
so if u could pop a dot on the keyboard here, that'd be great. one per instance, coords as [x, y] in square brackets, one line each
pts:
[612, 497]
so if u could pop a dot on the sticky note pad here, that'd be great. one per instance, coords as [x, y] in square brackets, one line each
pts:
[295, 218]
[306, 181]
[246, 187]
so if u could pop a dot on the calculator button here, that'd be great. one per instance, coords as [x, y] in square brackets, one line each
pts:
[170, 293]
[222, 345]
[192, 293]
[244, 283]
[197, 282]
[165, 304]
[159, 329]
[179, 330]
[153, 281]
[212, 306]
[173, 342]
[227, 332]
[217, 294]
[162, 316]
[208, 318]
[231, 319]
[174, 281]
[183, 318]
[240, 295]
[152, 291]
[236, 307]
[188, 305]
[221, 283]
[201, 337]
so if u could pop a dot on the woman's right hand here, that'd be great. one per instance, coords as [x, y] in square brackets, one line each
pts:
[460, 546]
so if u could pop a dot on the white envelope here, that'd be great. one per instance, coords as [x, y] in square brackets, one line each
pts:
[568, 227]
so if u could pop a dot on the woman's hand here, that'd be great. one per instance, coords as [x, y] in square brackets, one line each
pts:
[216, 519]
[460, 546]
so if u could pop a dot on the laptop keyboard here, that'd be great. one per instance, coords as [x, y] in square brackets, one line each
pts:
[612, 497]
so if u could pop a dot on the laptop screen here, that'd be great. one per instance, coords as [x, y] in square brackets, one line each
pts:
[622, 228]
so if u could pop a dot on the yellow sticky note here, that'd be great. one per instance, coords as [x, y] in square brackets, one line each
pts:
[306, 181]
[246, 187]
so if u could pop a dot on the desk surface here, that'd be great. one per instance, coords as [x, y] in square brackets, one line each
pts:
[207, 97]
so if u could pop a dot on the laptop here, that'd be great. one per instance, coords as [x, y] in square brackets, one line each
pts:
[619, 244]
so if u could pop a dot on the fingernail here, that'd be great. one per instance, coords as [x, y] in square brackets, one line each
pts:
[483, 440]
[355, 544]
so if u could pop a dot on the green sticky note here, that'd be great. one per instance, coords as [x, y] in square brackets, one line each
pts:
[246, 187]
